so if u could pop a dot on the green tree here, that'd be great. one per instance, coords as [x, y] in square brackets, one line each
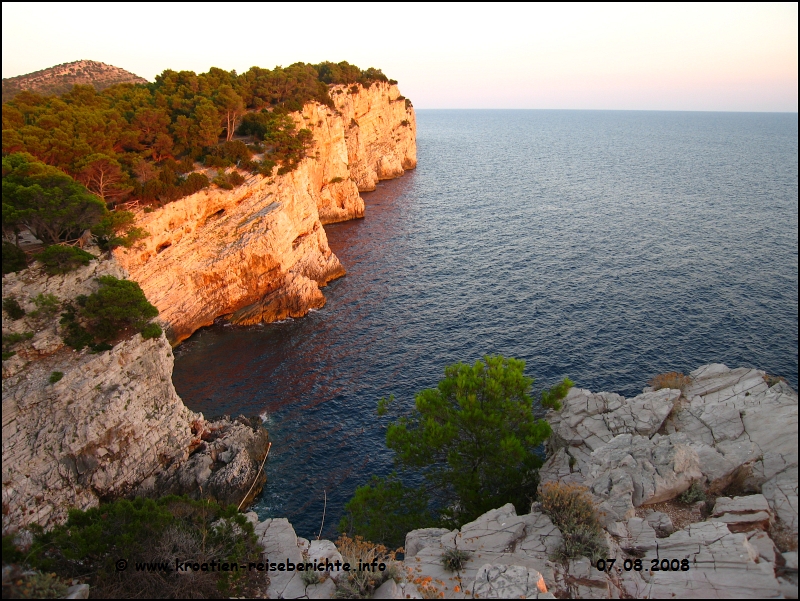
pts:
[367, 511]
[45, 200]
[473, 441]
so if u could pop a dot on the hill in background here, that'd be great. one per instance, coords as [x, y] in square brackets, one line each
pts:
[61, 78]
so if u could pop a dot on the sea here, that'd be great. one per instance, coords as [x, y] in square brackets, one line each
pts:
[604, 246]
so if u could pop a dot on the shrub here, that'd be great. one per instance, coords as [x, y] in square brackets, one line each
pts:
[405, 123]
[337, 180]
[46, 305]
[194, 183]
[222, 182]
[151, 330]
[309, 577]
[235, 178]
[453, 560]
[59, 259]
[56, 376]
[75, 336]
[27, 584]
[572, 511]
[551, 398]
[693, 494]
[10, 340]
[144, 530]
[673, 380]
[118, 305]
[361, 583]
[16, 337]
[14, 258]
[12, 307]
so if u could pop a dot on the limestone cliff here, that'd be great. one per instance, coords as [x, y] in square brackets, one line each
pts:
[111, 425]
[259, 253]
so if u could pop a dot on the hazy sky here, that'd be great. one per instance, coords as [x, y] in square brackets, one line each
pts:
[738, 57]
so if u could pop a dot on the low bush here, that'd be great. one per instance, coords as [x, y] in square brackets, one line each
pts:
[59, 259]
[361, 583]
[221, 181]
[56, 376]
[336, 180]
[235, 178]
[14, 258]
[453, 560]
[19, 583]
[46, 305]
[151, 330]
[673, 380]
[693, 494]
[572, 511]
[91, 543]
[552, 397]
[12, 307]
[16, 337]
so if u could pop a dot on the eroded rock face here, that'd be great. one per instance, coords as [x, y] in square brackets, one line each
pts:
[728, 423]
[259, 253]
[112, 422]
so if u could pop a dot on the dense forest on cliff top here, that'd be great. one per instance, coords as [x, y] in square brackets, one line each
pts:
[142, 141]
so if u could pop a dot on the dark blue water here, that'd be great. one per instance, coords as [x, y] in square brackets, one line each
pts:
[603, 246]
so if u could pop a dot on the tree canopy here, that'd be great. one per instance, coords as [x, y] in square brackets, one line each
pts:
[130, 139]
[45, 200]
[472, 443]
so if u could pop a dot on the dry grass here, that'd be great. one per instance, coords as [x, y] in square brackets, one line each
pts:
[673, 380]
[681, 515]
[360, 584]
[772, 380]
[573, 512]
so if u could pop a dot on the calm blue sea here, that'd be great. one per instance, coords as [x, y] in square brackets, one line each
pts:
[603, 246]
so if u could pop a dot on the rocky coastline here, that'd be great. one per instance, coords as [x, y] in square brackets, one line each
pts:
[732, 432]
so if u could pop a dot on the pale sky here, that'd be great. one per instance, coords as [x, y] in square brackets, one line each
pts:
[703, 57]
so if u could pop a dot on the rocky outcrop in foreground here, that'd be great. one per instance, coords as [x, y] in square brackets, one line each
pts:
[730, 433]
[259, 253]
[112, 425]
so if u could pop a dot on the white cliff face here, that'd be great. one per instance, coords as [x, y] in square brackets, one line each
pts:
[110, 421]
[259, 252]
[112, 425]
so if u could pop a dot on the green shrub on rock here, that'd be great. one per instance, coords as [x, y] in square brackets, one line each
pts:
[12, 307]
[151, 330]
[118, 306]
[59, 259]
[144, 531]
